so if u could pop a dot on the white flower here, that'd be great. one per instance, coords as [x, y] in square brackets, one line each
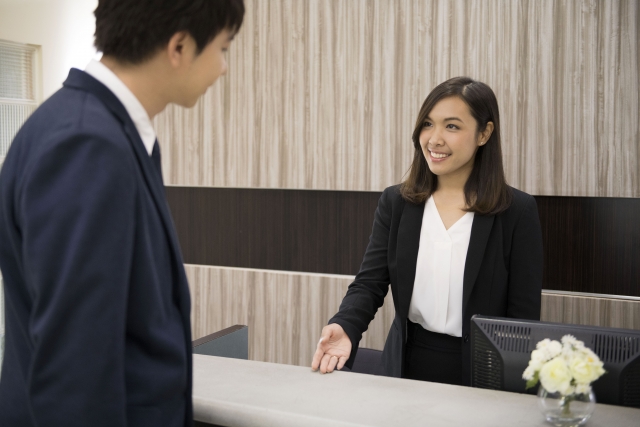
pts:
[586, 352]
[546, 350]
[555, 376]
[554, 348]
[571, 344]
[536, 365]
[568, 352]
[529, 372]
[543, 344]
[586, 369]
[539, 356]
[583, 388]
[569, 340]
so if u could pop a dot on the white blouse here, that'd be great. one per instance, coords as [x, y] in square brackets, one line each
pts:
[436, 303]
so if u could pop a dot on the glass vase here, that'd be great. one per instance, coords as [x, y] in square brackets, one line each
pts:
[566, 410]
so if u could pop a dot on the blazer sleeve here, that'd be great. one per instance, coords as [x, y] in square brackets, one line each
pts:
[367, 292]
[76, 213]
[525, 269]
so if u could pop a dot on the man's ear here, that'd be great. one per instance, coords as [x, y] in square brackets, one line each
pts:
[176, 48]
[486, 133]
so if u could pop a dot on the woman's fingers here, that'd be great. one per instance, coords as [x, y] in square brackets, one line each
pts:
[317, 356]
[341, 361]
[324, 364]
[333, 362]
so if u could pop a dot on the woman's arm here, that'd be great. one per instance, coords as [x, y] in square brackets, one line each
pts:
[525, 267]
[367, 292]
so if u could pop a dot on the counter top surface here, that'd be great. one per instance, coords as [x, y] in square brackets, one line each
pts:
[242, 393]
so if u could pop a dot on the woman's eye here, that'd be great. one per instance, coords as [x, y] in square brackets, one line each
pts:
[426, 124]
[452, 126]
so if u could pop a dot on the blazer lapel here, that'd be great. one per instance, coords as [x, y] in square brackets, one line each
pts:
[153, 178]
[480, 231]
[407, 253]
[84, 81]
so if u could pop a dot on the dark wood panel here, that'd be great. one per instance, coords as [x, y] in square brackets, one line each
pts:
[293, 230]
[591, 244]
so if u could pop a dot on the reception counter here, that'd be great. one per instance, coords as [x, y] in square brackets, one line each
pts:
[241, 393]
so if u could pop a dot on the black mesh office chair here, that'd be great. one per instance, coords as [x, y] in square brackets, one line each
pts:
[368, 361]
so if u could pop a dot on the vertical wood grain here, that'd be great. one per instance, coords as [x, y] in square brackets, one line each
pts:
[593, 311]
[323, 94]
[285, 312]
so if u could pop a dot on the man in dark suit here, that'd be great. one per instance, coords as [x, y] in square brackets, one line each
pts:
[97, 303]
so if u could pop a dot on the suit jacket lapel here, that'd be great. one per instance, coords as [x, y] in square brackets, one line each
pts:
[153, 178]
[480, 231]
[407, 253]
[84, 81]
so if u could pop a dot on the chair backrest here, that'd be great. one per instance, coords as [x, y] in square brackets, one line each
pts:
[367, 361]
[230, 342]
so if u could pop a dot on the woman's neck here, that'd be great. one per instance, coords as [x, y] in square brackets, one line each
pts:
[450, 200]
[452, 183]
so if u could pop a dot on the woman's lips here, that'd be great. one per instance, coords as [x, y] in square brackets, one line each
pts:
[438, 157]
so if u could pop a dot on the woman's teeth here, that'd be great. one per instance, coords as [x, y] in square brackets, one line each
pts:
[439, 155]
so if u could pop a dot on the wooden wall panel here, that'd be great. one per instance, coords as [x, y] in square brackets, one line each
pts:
[286, 312]
[323, 94]
[294, 230]
[594, 311]
[591, 244]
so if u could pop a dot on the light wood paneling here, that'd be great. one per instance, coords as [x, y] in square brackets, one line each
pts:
[285, 312]
[578, 310]
[323, 94]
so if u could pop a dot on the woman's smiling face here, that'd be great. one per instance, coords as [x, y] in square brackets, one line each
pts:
[450, 138]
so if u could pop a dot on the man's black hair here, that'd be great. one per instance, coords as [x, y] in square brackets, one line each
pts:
[132, 31]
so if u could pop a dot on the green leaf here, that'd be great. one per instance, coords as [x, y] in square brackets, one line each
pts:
[533, 381]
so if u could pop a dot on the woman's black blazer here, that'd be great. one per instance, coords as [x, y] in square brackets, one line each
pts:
[502, 276]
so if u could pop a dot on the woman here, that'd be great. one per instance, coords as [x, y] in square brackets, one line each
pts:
[453, 240]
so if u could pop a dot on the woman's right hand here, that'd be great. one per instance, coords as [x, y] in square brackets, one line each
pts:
[333, 349]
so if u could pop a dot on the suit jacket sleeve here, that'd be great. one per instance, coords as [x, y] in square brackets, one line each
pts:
[525, 270]
[367, 292]
[76, 213]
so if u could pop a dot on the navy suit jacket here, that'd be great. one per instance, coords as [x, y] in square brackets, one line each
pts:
[502, 275]
[97, 301]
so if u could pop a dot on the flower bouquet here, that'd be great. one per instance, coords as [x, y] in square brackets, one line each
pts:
[565, 371]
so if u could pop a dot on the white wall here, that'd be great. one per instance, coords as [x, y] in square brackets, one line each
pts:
[64, 29]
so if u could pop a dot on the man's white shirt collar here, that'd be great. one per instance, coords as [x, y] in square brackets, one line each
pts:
[134, 108]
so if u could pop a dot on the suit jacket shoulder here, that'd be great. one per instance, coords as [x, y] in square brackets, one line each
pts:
[520, 199]
[391, 195]
[522, 204]
[79, 115]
